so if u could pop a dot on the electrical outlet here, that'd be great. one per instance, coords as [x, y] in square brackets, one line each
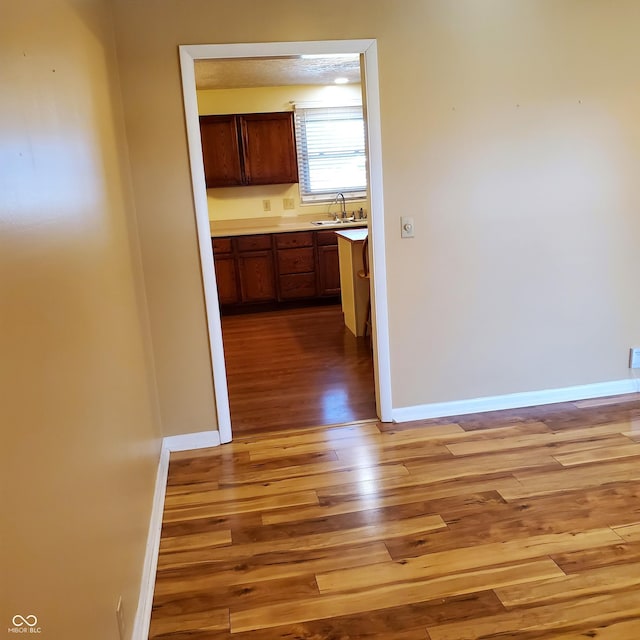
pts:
[120, 618]
[287, 203]
[266, 205]
[634, 358]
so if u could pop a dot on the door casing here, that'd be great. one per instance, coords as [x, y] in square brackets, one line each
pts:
[369, 67]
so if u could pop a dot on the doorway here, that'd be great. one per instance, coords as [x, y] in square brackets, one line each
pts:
[367, 49]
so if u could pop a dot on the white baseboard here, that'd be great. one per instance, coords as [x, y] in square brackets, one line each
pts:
[515, 400]
[201, 440]
[147, 585]
[186, 441]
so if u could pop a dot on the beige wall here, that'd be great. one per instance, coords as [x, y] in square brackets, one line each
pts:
[79, 429]
[509, 131]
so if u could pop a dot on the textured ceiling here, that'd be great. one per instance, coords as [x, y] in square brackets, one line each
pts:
[275, 72]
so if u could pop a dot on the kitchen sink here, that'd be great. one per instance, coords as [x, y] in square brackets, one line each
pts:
[339, 221]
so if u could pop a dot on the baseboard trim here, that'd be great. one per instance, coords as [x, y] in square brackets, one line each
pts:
[147, 585]
[186, 441]
[515, 400]
[201, 440]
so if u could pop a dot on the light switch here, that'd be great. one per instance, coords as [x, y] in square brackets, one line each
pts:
[407, 229]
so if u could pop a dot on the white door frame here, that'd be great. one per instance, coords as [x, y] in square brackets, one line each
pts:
[368, 48]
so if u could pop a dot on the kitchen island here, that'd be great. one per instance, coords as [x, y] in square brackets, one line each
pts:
[355, 289]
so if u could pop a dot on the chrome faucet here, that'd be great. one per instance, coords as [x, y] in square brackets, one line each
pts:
[344, 205]
[343, 210]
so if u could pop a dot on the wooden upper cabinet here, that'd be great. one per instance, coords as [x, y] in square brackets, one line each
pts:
[269, 148]
[221, 151]
[256, 148]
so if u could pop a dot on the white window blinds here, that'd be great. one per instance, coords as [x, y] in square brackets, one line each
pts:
[331, 152]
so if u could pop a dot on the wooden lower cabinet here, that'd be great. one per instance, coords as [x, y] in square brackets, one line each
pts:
[257, 280]
[260, 269]
[328, 271]
[227, 280]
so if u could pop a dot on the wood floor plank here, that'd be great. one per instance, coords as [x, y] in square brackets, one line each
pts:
[452, 432]
[326, 437]
[390, 595]
[595, 508]
[265, 567]
[260, 489]
[371, 533]
[556, 618]
[629, 532]
[568, 588]
[262, 504]
[539, 483]
[598, 454]
[320, 468]
[577, 561]
[240, 597]
[351, 498]
[169, 626]
[453, 507]
[480, 464]
[385, 453]
[195, 541]
[550, 438]
[457, 560]
[384, 624]
[626, 630]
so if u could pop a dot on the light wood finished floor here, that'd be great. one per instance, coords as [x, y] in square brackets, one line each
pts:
[296, 368]
[519, 524]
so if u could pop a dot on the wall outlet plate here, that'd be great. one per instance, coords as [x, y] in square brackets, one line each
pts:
[406, 227]
[266, 205]
[288, 203]
[634, 358]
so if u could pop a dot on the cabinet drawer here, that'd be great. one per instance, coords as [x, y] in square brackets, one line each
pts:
[298, 285]
[254, 243]
[326, 237]
[296, 261]
[221, 245]
[298, 239]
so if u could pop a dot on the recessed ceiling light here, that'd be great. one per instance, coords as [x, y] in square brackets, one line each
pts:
[341, 80]
[314, 56]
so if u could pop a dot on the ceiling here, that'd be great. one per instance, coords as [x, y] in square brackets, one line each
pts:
[239, 73]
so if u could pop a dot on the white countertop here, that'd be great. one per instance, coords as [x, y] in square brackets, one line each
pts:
[353, 235]
[250, 226]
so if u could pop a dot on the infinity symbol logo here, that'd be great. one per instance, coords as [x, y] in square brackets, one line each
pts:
[30, 621]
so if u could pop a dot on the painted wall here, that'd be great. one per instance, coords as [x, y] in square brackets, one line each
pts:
[235, 203]
[510, 131]
[79, 425]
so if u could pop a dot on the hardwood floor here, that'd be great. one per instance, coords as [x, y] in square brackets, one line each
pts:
[519, 524]
[296, 368]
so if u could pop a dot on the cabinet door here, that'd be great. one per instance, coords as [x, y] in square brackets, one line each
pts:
[221, 151]
[269, 148]
[226, 279]
[257, 277]
[328, 270]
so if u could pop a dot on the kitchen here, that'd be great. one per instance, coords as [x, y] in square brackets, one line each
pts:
[277, 272]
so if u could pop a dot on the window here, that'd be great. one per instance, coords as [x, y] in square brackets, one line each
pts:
[331, 153]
